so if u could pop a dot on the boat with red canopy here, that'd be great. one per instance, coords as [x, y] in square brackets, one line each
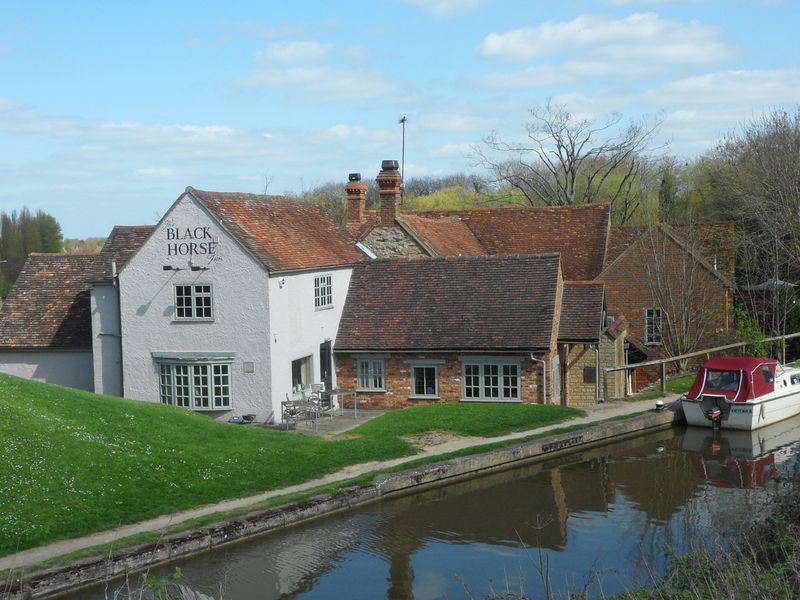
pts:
[742, 392]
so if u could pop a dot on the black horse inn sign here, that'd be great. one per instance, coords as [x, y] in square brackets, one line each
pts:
[190, 241]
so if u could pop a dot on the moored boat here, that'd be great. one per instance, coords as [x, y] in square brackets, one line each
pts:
[742, 392]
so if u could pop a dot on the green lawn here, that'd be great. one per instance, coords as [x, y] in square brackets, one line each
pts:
[676, 385]
[73, 463]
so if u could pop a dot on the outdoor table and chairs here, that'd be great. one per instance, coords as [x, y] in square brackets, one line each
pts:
[311, 403]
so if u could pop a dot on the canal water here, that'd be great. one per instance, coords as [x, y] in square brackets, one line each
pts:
[602, 520]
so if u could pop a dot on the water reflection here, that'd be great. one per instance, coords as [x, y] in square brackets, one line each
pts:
[606, 514]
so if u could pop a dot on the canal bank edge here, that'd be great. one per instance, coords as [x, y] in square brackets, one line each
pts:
[90, 571]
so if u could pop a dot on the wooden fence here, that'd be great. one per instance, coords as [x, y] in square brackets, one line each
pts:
[663, 362]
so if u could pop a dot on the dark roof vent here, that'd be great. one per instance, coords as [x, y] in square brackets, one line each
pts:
[390, 165]
[354, 177]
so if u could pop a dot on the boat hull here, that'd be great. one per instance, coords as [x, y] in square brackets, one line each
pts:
[748, 415]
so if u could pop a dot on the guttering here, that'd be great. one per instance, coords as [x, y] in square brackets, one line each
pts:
[384, 350]
[300, 270]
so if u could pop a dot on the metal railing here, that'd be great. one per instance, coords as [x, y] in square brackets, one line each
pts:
[663, 362]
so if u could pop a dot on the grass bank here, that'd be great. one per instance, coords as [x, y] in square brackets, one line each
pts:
[74, 463]
[676, 385]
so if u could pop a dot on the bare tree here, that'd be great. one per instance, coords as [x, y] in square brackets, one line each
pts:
[756, 179]
[687, 289]
[570, 160]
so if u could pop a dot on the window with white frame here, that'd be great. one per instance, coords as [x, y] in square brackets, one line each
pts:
[425, 381]
[323, 291]
[193, 302]
[370, 374]
[199, 386]
[653, 318]
[495, 380]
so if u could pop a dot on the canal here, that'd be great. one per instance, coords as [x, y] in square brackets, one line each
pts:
[600, 520]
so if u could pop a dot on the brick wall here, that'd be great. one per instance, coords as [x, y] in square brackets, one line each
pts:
[397, 375]
[628, 292]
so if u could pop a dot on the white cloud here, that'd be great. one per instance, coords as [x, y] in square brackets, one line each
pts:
[453, 151]
[321, 83]
[445, 8]
[537, 76]
[155, 172]
[635, 47]
[456, 122]
[294, 52]
[646, 33]
[726, 89]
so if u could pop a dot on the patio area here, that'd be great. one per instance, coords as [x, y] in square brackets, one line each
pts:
[342, 421]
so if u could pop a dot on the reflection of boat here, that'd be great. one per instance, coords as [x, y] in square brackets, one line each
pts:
[740, 392]
[740, 459]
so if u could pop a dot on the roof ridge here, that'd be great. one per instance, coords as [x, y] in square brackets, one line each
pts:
[465, 257]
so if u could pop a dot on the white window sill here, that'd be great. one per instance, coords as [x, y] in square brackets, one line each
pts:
[493, 400]
[417, 397]
[319, 308]
[192, 320]
[371, 390]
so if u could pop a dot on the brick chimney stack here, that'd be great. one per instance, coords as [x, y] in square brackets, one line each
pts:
[356, 202]
[390, 183]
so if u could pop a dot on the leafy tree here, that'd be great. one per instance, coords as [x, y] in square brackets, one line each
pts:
[20, 234]
[91, 245]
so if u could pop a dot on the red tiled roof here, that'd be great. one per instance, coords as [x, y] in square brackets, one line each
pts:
[123, 242]
[49, 306]
[625, 236]
[579, 233]
[283, 234]
[451, 304]
[445, 236]
[581, 311]
[622, 237]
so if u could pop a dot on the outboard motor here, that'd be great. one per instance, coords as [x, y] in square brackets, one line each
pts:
[715, 415]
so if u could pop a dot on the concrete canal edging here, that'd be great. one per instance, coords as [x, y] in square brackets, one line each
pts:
[89, 571]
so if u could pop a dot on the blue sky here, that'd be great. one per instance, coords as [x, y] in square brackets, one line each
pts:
[108, 110]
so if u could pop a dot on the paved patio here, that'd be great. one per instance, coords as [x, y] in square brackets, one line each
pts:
[344, 420]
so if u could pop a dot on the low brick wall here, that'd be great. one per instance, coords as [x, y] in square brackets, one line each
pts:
[137, 558]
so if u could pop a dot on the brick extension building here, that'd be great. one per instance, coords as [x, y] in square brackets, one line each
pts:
[487, 329]
[629, 260]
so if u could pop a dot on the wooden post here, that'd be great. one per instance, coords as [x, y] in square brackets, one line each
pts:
[663, 377]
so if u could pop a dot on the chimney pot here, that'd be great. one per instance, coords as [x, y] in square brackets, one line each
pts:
[390, 184]
[356, 202]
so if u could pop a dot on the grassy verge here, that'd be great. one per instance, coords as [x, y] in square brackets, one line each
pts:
[676, 385]
[74, 463]
[151, 537]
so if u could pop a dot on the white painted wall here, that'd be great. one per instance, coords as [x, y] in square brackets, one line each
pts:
[106, 343]
[240, 304]
[298, 328]
[70, 368]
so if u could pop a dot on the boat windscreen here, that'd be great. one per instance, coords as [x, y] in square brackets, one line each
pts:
[723, 381]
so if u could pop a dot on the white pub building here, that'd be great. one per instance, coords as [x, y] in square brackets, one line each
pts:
[222, 307]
